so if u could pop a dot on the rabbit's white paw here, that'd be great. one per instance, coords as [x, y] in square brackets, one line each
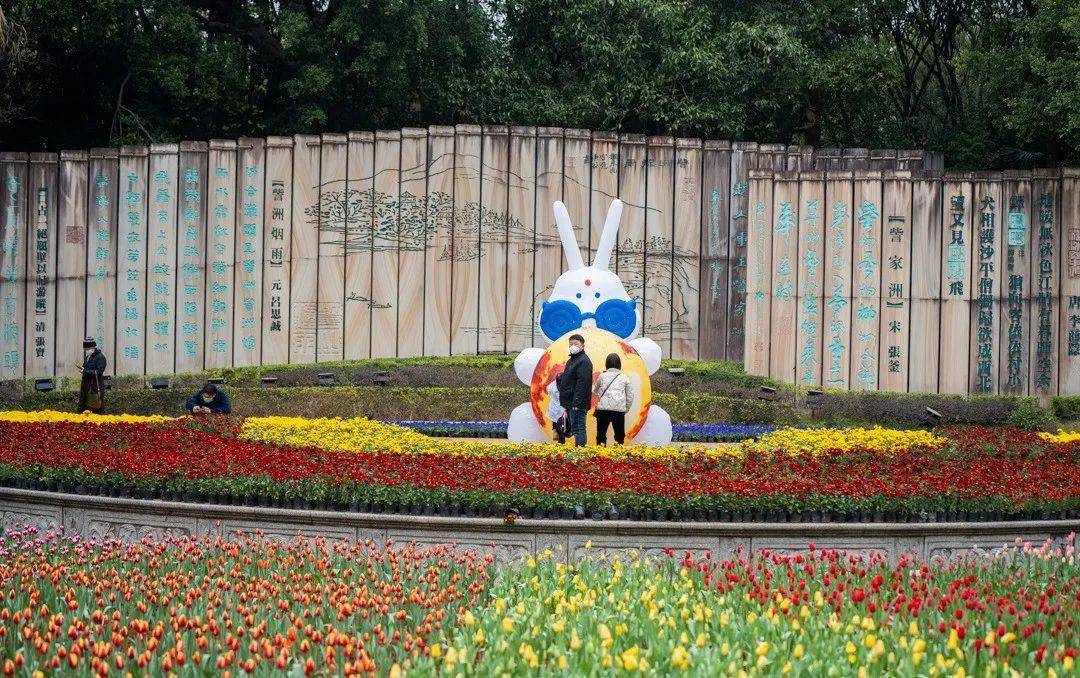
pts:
[657, 428]
[522, 427]
[525, 364]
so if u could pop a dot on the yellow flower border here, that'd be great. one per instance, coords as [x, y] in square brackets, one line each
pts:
[1062, 436]
[366, 435]
[53, 416]
[819, 440]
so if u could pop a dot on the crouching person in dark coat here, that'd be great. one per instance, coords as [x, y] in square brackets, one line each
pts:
[92, 386]
[210, 400]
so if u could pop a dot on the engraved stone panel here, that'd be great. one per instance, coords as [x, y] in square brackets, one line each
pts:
[864, 547]
[286, 531]
[129, 528]
[645, 546]
[14, 516]
[505, 548]
[954, 547]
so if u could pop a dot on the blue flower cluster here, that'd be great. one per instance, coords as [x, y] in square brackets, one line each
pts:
[697, 433]
[719, 433]
[457, 429]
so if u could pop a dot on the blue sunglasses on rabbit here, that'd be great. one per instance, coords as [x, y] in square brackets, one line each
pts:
[614, 315]
[588, 299]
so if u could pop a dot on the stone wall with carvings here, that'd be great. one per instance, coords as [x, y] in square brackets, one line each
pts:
[133, 519]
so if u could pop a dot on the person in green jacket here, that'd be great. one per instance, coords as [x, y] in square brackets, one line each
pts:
[92, 387]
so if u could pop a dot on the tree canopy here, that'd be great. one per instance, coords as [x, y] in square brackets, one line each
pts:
[991, 83]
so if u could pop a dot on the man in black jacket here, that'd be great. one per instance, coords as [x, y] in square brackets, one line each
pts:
[575, 388]
[92, 386]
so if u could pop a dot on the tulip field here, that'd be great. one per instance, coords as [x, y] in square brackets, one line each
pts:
[242, 604]
[250, 605]
[357, 464]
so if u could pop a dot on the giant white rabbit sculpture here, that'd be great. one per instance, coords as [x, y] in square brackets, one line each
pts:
[590, 300]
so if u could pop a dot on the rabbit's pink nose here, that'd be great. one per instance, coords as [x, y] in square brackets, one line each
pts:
[587, 282]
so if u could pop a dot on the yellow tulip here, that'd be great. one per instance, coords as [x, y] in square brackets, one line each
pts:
[680, 658]
[575, 641]
[605, 636]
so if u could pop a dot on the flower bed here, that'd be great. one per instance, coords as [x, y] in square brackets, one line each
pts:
[818, 614]
[53, 417]
[1061, 436]
[192, 606]
[690, 433]
[363, 435]
[819, 440]
[973, 473]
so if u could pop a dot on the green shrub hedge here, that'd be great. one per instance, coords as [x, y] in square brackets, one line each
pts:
[842, 407]
[725, 378]
[484, 388]
[484, 403]
[1066, 408]
[494, 403]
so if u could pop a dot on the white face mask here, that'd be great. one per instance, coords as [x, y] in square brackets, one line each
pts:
[574, 349]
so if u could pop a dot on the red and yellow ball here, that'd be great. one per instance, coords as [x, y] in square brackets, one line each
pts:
[598, 345]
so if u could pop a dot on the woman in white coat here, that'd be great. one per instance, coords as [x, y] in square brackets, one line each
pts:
[615, 394]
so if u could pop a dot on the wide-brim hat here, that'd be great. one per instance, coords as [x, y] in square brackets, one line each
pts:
[89, 343]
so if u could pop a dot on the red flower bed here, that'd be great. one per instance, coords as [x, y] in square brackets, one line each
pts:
[1013, 469]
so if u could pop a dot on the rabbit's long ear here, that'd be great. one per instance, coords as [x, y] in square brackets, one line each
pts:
[608, 236]
[566, 234]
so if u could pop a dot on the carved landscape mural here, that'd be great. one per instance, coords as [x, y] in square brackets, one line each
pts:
[441, 241]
